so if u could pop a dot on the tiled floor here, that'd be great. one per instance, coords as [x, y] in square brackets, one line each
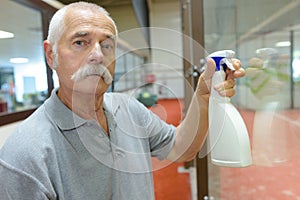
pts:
[170, 184]
[171, 180]
[274, 174]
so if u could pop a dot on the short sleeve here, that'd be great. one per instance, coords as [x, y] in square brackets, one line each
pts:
[162, 137]
[18, 185]
[160, 134]
[136, 121]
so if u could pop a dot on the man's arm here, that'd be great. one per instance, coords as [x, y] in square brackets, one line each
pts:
[16, 184]
[192, 132]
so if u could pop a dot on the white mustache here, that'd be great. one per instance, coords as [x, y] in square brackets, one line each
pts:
[88, 70]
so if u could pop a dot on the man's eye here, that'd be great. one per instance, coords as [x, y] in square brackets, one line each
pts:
[79, 43]
[106, 46]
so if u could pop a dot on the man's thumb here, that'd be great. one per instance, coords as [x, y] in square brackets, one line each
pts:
[209, 70]
[204, 83]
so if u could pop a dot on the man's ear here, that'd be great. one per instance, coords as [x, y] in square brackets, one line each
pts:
[49, 53]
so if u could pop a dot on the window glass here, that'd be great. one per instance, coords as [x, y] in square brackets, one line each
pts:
[265, 36]
[23, 78]
[296, 69]
[128, 70]
[120, 61]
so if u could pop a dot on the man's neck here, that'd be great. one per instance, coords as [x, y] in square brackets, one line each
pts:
[87, 106]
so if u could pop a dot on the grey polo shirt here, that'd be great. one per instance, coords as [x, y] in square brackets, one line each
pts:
[55, 154]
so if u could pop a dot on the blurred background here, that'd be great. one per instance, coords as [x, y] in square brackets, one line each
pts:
[162, 43]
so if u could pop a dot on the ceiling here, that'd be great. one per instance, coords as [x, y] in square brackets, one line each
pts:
[26, 25]
[244, 20]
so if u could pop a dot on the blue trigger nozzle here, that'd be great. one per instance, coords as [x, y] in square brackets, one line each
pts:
[218, 62]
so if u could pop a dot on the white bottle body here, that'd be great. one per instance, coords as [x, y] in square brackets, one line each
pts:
[228, 137]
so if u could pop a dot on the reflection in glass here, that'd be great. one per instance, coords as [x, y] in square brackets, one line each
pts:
[267, 78]
[23, 79]
[128, 70]
[265, 36]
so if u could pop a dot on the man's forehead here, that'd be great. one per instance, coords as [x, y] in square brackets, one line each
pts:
[88, 18]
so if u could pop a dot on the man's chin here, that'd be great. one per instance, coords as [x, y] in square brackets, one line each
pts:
[104, 80]
[91, 85]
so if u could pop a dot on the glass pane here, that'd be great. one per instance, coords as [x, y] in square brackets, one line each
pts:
[265, 36]
[23, 79]
[128, 71]
[296, 69]
[120, 61]
[130, 81]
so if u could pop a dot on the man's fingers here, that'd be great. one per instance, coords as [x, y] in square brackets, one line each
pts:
[228, 84]
[227, 93]
[226, 88]
[236, 63]
[238, 72]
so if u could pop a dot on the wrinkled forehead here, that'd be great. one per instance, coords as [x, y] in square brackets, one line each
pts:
[80, 18]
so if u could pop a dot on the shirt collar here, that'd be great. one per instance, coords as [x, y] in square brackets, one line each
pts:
[66, 119]
[111, 104]
[63, 117]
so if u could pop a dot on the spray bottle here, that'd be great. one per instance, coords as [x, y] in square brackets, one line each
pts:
[228, 137]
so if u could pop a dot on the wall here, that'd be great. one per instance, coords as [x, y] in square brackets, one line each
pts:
[166, 42]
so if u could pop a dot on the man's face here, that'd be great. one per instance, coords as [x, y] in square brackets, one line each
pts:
[88, 39]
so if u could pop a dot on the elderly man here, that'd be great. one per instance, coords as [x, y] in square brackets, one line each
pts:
[84, 143]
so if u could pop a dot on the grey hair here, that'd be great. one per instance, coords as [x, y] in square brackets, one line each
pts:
[57, 23]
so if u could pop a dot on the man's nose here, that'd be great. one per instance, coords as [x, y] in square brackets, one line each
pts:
[96, 55]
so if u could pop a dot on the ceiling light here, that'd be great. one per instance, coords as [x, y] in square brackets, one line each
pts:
[4, 34]
[283, 44]
[18, 60]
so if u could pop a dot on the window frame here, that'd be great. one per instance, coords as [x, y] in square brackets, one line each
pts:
[47, 12]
